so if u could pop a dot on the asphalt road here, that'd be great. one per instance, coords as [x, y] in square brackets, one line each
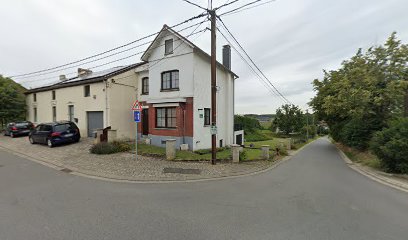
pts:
[312, 196]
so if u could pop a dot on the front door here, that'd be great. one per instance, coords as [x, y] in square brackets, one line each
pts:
[145, 121]
[95, 121]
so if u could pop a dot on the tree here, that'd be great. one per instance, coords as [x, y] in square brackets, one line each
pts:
[365, 93]
[12, 100]
[289, 118]
[248, 124]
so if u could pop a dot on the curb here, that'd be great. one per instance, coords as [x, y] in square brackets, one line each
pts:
[77, 172]
[373, 175]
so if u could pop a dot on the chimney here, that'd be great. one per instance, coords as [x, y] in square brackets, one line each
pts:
[62, 77]
[226, 56]
[83, 72]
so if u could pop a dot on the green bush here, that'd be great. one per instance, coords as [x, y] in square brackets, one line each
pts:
[357, 133]
[109, 148]
[243, 155]
[391, 146]
[103, 148]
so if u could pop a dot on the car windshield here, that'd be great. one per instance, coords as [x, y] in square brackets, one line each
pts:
[61, 127]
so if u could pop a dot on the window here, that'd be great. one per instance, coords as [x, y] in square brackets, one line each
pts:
[62, 127]
[54, 113]
[87, 90]
[46, 128]
[35, 97]
[170, 80]
[53, 95]
[168, 46]
[145, 85]
[71, 112]
[207, 116]
[35, 114]
[166, 117]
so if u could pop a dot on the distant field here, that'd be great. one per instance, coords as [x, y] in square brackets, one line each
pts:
[265, 124]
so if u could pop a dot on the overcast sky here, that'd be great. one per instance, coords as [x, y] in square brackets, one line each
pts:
[292, 41]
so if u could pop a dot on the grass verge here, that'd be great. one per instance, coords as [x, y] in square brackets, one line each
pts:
[363, 157]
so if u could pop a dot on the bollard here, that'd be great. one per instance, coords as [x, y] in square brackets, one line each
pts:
[289, 143]
[170, 149]
[265, 152]
[235, 152]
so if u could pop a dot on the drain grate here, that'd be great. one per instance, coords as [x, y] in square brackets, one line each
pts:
[66, 170]
[182, 170]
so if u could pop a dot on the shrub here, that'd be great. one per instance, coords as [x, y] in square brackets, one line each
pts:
[357, 133]
[109, 148]
[255, 136]
[243, 155]
[103, 148]
[391, 146]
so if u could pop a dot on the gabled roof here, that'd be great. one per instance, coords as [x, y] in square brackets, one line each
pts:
[165, 28]
[92, 77]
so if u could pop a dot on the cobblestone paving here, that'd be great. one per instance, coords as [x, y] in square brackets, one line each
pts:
[123, 166]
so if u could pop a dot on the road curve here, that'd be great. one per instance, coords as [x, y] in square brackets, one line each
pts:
[315, 195]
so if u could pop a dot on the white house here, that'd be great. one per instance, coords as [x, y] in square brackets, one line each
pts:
[173, 84]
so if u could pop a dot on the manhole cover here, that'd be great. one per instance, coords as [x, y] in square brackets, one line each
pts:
[66, 170]
[182, 170]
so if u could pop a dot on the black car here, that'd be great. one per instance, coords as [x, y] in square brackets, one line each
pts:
[18, 128]
[55, 133]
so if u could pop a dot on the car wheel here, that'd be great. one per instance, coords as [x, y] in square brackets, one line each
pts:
[12, 135]
[49, 143]
[31, 140]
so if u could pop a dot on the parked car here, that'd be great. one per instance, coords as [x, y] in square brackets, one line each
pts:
[55, 133]
[14, 129]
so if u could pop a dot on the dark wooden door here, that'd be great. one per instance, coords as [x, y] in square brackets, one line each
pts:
[145, 122]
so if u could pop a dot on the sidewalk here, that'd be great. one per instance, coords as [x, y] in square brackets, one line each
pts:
[76, 159]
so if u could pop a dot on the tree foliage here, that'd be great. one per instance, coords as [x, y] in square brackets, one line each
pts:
[366, 92]
[12, 100]
[249, 124]
[289, 118]
[391, 146]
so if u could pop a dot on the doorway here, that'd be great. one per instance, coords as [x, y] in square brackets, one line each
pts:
[145, 121]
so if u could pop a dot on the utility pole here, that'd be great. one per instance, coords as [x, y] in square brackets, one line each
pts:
[307, 124]
[213, 88]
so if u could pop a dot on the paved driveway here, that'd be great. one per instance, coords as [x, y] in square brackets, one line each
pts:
[123, 166]
[312, 196]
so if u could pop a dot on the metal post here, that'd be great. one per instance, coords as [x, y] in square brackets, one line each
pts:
[307, 125]
[213, 87]
[136, 142]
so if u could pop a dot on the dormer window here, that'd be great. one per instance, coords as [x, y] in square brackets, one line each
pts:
[168, 46]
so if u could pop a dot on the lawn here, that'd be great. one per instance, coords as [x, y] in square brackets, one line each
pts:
[363, 157]
[203, 155]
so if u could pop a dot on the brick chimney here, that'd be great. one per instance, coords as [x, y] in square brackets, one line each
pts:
[226, 56]
[83, 72]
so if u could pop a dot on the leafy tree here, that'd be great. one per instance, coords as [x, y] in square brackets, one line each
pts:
[289, 118]
[364, 94]
[391, 146]
[12, 101]
[249, 124]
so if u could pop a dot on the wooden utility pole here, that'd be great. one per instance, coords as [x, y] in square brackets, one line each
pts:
[213, 88]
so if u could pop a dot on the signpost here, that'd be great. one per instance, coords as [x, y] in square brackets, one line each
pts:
[136, 108]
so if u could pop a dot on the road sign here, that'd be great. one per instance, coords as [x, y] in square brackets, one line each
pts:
[136, 106]
[214, 130]
[136, 116]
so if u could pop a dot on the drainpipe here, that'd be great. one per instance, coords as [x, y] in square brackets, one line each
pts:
[106, 103]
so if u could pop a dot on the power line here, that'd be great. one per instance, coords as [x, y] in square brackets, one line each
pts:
[225, 4]
[117, 60]
[98, 59]
[244, 9]
[238, 8]
[263, 81]
[194, 4]
[110, 50]
[252, 60]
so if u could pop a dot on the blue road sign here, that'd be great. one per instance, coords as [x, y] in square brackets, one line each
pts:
[136, 116]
